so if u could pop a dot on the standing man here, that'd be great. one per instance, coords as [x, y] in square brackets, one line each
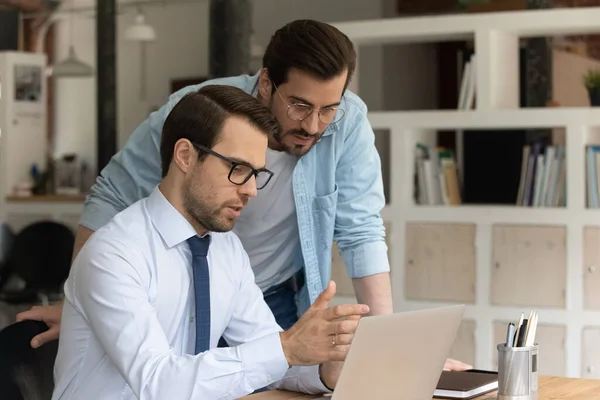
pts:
[327, 183]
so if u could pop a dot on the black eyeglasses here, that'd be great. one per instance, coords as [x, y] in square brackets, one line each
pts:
[241, 172]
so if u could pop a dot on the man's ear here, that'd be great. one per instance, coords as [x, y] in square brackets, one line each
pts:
[184, 155]
[264, 85]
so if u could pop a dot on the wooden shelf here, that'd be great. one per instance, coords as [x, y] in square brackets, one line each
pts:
[54, 198]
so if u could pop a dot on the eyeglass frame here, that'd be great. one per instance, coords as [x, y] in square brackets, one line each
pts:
[234, 164]
[312, 109]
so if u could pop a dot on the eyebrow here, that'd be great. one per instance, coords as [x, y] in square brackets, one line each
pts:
[244, 162]
[308, 103]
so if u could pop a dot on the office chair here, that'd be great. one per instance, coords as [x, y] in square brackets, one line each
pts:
[40, 257]
[26, 373]
[7, 238]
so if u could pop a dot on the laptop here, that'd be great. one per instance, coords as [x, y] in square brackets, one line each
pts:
[398, 356]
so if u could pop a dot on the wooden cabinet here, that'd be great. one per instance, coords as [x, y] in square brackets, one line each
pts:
[528, 266]
[590, 353]
[440, 262]
[591, 267]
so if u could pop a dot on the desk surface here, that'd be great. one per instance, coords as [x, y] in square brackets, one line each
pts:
[551, 388]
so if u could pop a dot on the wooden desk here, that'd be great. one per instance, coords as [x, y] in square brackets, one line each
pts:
[551, 388]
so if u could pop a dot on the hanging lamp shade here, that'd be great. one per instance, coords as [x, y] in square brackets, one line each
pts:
[140, 31]
[72, 67]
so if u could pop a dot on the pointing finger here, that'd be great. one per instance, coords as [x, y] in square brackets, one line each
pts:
[325, 297]
[346, 310]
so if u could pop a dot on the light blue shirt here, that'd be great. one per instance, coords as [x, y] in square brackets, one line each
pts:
[337, 185]
[128, 329]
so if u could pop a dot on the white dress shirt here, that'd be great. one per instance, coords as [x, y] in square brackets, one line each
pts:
[128, 328]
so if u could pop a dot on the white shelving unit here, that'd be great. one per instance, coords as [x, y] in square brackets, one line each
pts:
[23, 142]
[570, 337]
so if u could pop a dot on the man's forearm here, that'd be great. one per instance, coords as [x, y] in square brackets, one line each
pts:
[376, 292]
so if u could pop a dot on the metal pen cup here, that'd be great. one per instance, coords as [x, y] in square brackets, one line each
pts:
[517, 372]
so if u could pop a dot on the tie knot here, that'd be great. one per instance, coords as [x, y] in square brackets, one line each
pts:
[198, 245]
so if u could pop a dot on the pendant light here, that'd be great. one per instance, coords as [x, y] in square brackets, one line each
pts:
[140, 31]
[72, 66]
[143, 33]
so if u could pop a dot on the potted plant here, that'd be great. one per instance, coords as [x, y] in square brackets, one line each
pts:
[591, 81]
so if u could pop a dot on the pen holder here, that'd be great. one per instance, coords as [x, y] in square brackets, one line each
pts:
[517, 372]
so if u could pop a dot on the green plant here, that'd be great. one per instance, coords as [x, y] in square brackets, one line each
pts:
[591, 79]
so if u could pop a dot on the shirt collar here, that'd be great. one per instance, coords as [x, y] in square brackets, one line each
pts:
[170, 224]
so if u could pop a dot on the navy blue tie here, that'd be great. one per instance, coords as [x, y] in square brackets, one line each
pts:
[199, 247]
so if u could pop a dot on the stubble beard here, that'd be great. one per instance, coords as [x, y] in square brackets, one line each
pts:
[296, 149]
[197, 208]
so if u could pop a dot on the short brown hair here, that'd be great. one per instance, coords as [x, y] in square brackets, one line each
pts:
[314, 47]
[199, 117]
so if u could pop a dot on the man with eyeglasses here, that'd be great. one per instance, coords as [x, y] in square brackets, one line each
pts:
[143, 312]
[327, 184]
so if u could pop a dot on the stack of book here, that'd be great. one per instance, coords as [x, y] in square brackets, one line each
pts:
[543, 176]
[436, 177]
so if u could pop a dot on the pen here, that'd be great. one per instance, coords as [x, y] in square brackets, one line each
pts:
[518, 332]
[530, 341]
[522, 333]
[510, 335]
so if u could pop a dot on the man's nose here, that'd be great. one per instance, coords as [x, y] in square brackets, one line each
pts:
[249, 188]
[311, 123]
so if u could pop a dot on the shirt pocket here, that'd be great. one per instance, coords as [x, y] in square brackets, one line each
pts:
[327, 203]
[324, 210]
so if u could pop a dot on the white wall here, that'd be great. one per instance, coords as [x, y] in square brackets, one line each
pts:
[179, 52]
[269, 15]
[410, 71]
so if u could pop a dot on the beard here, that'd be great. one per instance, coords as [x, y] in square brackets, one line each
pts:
[197, 204]
[285, 140]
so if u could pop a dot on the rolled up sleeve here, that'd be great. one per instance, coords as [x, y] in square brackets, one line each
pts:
[359, 229]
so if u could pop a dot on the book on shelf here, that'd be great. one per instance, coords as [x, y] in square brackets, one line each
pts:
[436, 176]
[543, 176]
[592, 166]
[466, 100]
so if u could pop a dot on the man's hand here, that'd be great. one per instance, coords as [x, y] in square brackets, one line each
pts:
[330, 371]
[51, 315]
[455, 365]
[323, 333]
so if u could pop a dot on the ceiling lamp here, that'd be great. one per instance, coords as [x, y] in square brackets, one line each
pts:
[140, 31]
[72, 67]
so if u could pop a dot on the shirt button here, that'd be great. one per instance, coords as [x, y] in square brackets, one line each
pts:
[191, 320]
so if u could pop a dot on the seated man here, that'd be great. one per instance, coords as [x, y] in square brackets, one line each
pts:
[151, 293]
